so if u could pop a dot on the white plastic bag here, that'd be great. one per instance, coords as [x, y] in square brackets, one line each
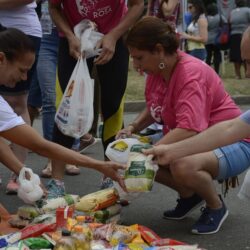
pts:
[118, 150]
[75, 113]
[29, 190]
[89, 37]
[244, 192]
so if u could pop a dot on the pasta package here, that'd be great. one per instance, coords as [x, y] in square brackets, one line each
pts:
[141, 171]
[97, 200]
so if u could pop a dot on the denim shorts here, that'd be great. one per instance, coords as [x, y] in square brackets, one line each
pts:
[199, 53]
[233, 159]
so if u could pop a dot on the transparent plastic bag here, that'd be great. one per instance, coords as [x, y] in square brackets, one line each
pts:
[89, 37]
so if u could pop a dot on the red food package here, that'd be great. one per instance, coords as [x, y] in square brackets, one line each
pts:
[62, 213]
[37, 230]
[148, 235]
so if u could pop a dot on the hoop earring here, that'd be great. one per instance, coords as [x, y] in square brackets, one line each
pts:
[161, 65]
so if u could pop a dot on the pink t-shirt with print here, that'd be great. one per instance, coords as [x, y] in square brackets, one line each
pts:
[193, 99]
[105, 13]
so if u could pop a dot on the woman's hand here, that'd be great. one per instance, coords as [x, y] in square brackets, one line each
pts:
[107, 46]
[162, 154]
[125, 133]
[184, 35]
[74, 47]
[110, 169]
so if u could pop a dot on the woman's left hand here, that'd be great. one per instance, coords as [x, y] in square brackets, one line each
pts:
[184, 35]
[110, 169]
[107, 46]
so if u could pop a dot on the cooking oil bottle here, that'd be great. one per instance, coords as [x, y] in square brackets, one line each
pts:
[81, 241]
[66, 242]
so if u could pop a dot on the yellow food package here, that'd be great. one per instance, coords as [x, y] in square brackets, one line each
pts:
[123, 234]
[97, 200]
[70, 223]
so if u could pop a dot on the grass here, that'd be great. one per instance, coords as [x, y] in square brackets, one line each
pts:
[136, 84]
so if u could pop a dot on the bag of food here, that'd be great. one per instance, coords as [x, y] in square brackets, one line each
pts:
[103, 215]
[49, 205]
[118, 150]
[141, 170]
[28, 212]
[244, 193]
[97, 200]
[75, 113]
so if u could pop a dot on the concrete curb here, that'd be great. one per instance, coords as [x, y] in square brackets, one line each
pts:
[137, 106]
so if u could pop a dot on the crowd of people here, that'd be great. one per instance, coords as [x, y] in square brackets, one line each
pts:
[183, 93]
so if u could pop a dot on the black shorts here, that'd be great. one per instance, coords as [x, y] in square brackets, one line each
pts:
[235, 54]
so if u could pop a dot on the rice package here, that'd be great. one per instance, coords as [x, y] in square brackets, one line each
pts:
[118, 150]
[141, 170]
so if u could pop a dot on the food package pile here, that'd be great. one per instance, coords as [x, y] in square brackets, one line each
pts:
[88, 236]
[91, 222]
[26, 214]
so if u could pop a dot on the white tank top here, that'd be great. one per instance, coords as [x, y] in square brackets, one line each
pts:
[23, 18]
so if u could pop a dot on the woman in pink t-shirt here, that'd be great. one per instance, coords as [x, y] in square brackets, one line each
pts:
[186, 96]
[113, 19]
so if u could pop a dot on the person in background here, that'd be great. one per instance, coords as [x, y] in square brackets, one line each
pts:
[167, 10]
[22, 15]
[186, 96]
[239, 20]
[17, 55]
[196, 35]
[214, 20]
[43, 87]
[113, 19]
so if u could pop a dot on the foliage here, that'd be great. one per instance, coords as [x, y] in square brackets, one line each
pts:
[136, 84]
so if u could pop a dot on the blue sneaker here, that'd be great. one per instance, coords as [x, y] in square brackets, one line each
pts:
[210, 220]
[106, 183]
[55, 189]
[184, 207]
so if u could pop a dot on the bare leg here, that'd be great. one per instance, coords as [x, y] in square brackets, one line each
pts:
[58, 168]
[197, 172]
[164, 177]
[237, 70]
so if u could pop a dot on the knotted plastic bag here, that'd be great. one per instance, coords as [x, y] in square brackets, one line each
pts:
[75, 113]
[29, 190]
